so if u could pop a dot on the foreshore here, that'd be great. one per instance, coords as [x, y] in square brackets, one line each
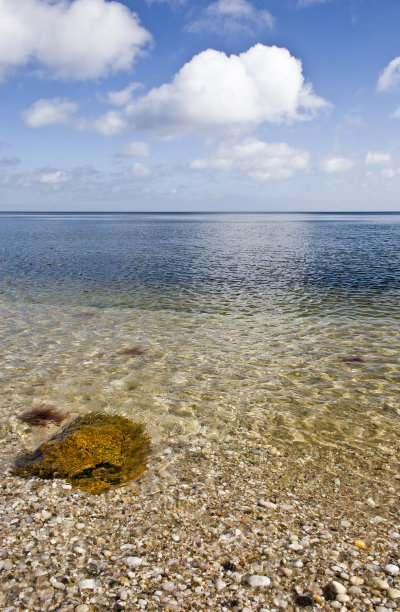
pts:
[231, 524]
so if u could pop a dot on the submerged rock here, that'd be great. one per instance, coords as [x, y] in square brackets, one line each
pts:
[94, 453]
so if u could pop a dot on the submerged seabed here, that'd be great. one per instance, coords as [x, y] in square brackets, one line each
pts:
[298, 382]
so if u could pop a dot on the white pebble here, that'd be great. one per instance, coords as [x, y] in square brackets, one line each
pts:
[168, 586]
[381, 584]
[393, 593]
[45, 514]
[80, 526]
[392, 569]
[342, 597]
[82, 608]
[370, 501]
[337, 587]
[298, 564]
[175, 537]
[134, 561]
[266, 504]
[258, 581]
[79, 550]
[220, 584]
[87, 583]
[336, 481]
[356, 580]
[123, 594]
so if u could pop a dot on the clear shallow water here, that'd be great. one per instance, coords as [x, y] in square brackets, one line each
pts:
[246, 322]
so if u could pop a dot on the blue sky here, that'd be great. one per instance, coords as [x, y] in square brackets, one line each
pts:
[207, 105]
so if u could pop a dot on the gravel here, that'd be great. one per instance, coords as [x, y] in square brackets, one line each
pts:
[230, 524]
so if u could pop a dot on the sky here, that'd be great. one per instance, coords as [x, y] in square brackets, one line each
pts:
[183, 105]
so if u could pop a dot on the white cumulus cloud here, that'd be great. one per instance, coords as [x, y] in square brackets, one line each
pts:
[81, 39]
[263, 84]
[231, 15]
[331, 165]
[377, 158]
[390, 76]
[256, 159]
[135, 148]
[48, 111]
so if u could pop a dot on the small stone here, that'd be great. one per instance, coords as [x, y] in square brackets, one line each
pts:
[370, 501]
[336, 481]
[45, 515]
[337, 587]
[303, 601]
[134, 561]
[175, 537]
[80, 526]
[79, 550]
[345, 523]
[220, 584]
[356, 580]
[342, 597]
[381, 584]
[258, 581]
[287, 571]
[295, 547]
[381, 609]
[298, 563]
[266, 504]
[392, 569]
[314, 589]
[123, 594]
[356, 591]
[359, 544]
[82, 608]
[393, 593]
[87, 583]
[168, 586]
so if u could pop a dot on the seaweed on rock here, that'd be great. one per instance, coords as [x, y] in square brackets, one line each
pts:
[94, 452]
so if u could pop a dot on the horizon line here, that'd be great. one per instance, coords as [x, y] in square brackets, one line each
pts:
[200, 212]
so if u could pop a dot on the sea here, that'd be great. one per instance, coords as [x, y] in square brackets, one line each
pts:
[284, 325]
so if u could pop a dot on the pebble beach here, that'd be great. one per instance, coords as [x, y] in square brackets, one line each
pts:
[215, 525]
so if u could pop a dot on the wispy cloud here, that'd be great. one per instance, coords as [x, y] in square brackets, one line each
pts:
[304, 3]
[332, 165]
[378, 158]
[135, 148]
[256, 159]
[231, 15]
[48, 111]
[390, 76]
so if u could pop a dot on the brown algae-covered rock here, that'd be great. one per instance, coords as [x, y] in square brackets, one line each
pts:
[94, 453]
